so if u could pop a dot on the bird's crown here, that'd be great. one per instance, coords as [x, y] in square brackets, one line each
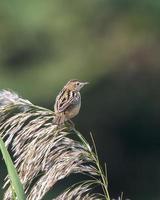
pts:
[75, 85]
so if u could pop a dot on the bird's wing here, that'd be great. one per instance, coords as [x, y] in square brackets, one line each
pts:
[63, 100]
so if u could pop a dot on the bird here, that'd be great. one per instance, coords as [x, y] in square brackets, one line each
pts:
[68, 101]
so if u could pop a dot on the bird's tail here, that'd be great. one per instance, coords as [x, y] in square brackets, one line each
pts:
[59, 119]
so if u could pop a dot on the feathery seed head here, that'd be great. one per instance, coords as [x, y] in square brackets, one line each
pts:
[44, 152]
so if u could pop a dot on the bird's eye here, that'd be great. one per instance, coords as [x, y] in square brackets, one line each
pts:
[78, 83]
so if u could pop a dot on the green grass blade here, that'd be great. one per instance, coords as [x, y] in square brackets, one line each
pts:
[16, 185]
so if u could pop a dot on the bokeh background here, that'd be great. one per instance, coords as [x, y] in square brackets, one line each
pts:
[113, 44]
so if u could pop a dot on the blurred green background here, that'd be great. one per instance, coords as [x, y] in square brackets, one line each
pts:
[113, 44]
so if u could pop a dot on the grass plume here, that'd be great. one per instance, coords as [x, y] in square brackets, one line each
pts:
[47, 153]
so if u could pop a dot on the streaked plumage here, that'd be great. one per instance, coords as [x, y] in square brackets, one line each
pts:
[68, 101]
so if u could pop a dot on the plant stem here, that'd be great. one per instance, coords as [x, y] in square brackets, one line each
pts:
[104, 181]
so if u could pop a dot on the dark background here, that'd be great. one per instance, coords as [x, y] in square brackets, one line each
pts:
[113, 44]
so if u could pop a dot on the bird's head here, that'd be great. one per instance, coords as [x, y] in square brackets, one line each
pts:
[75, 85]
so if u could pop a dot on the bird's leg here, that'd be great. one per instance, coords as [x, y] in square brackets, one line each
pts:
[71, 124]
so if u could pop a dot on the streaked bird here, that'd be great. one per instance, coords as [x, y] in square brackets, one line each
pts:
[68, 101]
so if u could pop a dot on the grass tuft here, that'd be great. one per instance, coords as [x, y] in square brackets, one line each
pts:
[46, 153]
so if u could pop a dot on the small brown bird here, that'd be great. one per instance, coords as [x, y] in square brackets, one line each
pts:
[68, 101]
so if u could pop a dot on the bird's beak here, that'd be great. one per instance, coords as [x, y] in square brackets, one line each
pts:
[82, 84]
[85, 83]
